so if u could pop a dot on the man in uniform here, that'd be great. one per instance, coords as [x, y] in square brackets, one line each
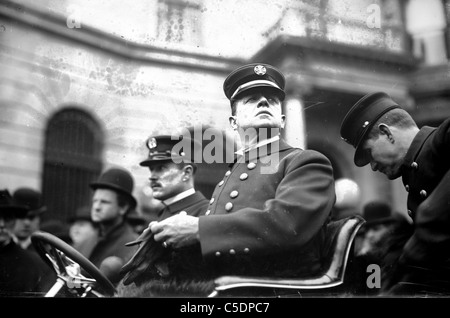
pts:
[388, 138]
[172, 179]
[267, 216]
[112, 200]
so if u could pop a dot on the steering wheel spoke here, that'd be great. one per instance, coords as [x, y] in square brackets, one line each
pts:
[73, 270]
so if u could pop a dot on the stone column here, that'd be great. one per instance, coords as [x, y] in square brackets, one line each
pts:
[294, 130]
[426, 22]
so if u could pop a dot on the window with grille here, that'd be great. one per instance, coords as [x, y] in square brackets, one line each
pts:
[179, 21]
[72, 159]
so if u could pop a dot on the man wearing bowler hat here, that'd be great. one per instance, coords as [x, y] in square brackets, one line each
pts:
[172, 180]
[267, 216]
[31, 221]
[111, 202]
[385, 136]
[22, 272]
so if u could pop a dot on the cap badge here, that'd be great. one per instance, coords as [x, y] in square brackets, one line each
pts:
[152, 143]
[260, 70]
[365, 124]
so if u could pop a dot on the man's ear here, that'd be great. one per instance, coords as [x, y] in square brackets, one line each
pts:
[123, 210]
[233, 122]
[283, 121]
[188, 171]
[385, 130]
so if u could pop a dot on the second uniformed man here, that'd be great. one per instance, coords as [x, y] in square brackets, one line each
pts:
[386, 137]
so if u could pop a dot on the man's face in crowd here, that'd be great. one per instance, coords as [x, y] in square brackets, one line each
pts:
[105, 206]
[81, 230]
[258, 108]
[26, 226]
[385, 156]
[166, 180]
[6, 227]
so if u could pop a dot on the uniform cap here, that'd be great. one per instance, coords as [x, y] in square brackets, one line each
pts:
[170, 148]
[361, 118]
[251, 76]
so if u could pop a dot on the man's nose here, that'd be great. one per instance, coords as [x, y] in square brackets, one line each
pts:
[263, 102]
[26, 220]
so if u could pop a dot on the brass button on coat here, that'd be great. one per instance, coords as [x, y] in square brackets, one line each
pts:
[232, 252]
[228, 206]
[414, 165]
[234, 194]
[217, 254]
[243, 176]
[208, 212]
[407, 188]
[423, 193]
[251, 165]
[221, 183]
[227, 173]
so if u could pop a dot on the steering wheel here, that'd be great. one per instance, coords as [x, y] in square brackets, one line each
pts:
[73, 270]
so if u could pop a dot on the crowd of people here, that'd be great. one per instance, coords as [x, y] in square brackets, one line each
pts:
[267, 217]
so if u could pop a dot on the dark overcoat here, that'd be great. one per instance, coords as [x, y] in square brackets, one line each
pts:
[426, 177]
[267, 215]
[23, 273]
[113, 244]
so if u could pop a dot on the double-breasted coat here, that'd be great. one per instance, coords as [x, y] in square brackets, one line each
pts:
[267, 215]
[426, 177]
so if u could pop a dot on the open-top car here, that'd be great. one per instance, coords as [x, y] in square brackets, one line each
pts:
[78, 277]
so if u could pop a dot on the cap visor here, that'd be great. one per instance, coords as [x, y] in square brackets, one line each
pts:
[361, 157]
[278, 90]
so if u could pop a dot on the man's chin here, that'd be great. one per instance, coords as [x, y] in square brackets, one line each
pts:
[158, 195]
[392, 176]
[266, 125]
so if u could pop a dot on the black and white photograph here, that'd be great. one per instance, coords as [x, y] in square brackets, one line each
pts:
[225, 149]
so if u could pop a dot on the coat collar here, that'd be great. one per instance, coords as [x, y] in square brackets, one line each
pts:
[416, 145]
[278, 145]
[184, 203]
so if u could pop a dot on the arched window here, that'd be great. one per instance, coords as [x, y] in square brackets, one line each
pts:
[72, 159]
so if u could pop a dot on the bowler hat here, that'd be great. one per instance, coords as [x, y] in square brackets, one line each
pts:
[30, 198]
[377, 212]
[251, 76]
[82, 213]
[170, 148]
[9, 207]
[361, 118]
[116, 179]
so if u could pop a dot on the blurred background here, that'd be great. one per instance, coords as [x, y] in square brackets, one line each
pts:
[84, 83]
